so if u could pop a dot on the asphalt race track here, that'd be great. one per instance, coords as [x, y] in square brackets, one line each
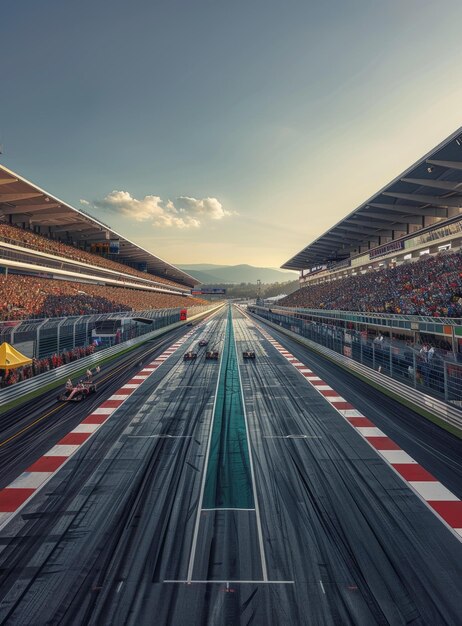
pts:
[231, 492]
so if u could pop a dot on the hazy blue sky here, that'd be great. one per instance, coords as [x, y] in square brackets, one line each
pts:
[232, 131]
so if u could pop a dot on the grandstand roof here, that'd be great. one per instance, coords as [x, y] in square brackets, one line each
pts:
[430, 187]
[26, 202]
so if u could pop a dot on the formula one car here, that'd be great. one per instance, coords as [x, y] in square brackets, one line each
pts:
[212, 355]
[248, 354]
[78, 392]
[203, 342]
[190, 356]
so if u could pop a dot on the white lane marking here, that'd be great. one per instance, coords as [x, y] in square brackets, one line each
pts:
[192, 556]
[60, 450]
[433, 490]
[102, 410]
[29, 480]
[119, 396]
[228, 509]
[350, 413]
[324, 388]
[233, 582]
[130, 386]
[322, 587]
[85, 428]
[4, 517]
[370, 431]
[160, 436]
[334, 398]
[395, 457]
[292, 437]
[252, 472]
[119, 586]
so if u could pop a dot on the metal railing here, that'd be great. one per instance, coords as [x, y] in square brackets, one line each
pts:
[24, 389]
[40, 338]
[447, 412]
[422, 323]
[433, 371]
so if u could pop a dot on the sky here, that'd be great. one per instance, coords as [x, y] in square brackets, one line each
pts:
[225, 132]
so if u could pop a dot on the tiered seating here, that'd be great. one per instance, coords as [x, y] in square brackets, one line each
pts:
[430, 286]
[26, 296]
[28, 239]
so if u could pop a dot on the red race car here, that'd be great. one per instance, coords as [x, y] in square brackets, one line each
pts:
[78, 392]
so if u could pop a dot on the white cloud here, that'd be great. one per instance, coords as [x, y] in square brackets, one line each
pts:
[206, 207]
[184, 212]
[84, 202]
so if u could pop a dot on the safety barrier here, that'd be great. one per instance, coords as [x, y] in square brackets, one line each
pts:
[414, 398]
[27, 388]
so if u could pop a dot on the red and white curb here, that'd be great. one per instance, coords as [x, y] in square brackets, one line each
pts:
[438, 498]
[18, 493]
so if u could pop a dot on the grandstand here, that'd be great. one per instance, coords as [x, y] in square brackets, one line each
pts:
[58, 261]
[396, 253]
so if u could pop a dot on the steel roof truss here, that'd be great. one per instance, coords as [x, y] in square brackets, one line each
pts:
[447, 185]
[440, 201]
[24, 209]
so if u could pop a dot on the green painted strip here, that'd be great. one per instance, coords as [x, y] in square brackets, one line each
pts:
[228, 481]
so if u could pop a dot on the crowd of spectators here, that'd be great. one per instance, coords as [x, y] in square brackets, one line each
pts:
[430, 286]
[39, 366]
[24, 297]
[27, 238]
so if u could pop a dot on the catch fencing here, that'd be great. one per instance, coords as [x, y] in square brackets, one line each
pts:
[27, 388]
[40, 338]
[435, 372]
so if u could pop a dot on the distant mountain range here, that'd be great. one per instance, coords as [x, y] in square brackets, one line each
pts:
[209, 274]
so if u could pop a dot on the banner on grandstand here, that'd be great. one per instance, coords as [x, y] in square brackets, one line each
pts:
[100, 247]
[142, 267]
[314, 270]
[393, 246]
[209, 291]
[114, 246]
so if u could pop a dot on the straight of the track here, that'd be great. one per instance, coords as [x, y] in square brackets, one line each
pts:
[344, 540]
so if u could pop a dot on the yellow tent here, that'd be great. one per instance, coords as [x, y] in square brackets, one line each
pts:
[10, 358]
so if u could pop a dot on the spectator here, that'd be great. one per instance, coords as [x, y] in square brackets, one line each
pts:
[27, 238]
[39, 366]
[430, 286]
[32, 297]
